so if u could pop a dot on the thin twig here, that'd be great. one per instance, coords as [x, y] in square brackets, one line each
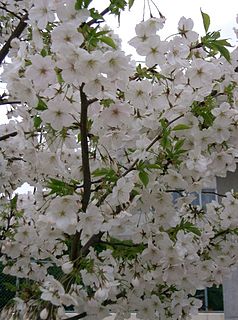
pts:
[180, 191]
[2, 103]
[149, 146]
[148, 2]
[11, 12]
[121, 244]
[215, 193]
[105, 11]
[161, 15]
[8, 135]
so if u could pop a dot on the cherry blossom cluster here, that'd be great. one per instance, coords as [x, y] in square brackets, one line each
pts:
[112, 152]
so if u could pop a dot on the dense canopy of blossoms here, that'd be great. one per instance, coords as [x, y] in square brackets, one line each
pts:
[105, 145]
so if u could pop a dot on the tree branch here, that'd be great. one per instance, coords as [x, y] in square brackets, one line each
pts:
[94, 239]
[97, 237]
[86, 170]
[85, 150]
[22, 25]
[15, 34]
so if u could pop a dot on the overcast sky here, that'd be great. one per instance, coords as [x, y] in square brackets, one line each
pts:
[222, 14]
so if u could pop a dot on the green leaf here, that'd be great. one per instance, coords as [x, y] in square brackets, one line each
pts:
[108, 174]
[87, 3]
[116, 6]
[101, 33]
[60, 187]
[95, 14]
[179, 144]
[59, 75]
[78, 4]
[37, 121]
[144, 177]
[43, 52]
[130, 3]
[125, 249]
[106, 102]
[150, 166]
[223, 51]
[191, 228]
[181, 127]
[206, 20]
[224, 42]
[10, 287]
[108, 41]
[41, 105]
[217, 47]
[13, 202]
[101, 172]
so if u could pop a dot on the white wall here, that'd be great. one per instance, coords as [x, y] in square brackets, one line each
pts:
[200, 316]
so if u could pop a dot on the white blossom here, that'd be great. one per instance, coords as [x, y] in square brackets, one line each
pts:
[114, 154]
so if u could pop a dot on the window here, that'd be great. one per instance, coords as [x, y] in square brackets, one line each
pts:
[212, 297]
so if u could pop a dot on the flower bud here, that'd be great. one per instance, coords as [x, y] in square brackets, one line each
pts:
[67, 267]
[44, 314]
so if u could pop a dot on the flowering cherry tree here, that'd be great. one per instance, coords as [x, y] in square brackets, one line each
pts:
[113, 152]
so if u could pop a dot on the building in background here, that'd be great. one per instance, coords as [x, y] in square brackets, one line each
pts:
[230, 286]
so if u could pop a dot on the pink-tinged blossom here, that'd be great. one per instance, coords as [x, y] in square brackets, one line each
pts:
[144, 31]
[42, 13]
[90, 65]
[174, 180]
[138, 93]
[99, 87]
[201, 73]
[154, 51]
[59, 113]
[71, 72]
[178, 52]
[41, 71]
[165, 127]
[90, 222]
[116, 114]
[198, 162]
[53, 291]
[121, 192]
[66, 13]
[185, 27]
[219, 131]
[115, 62]
[62, 213]
[64, 35]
